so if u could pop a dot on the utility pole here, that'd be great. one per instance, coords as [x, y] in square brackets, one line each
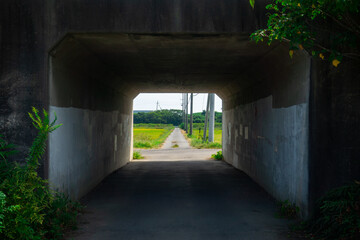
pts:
[212, 117]
[186, 112]
[183, 109]
[191, 113]
[206, 118]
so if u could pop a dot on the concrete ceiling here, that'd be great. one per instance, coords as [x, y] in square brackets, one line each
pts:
[167, 62]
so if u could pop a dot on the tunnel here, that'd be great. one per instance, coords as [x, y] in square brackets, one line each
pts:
[94, 77]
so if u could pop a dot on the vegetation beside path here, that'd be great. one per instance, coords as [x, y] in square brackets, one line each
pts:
[196, 139]
[151, 135]
[28, 208]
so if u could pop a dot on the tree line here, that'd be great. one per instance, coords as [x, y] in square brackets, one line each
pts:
[172, 116]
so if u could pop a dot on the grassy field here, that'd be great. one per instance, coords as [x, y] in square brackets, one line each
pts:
[198, 131]
[151, 135]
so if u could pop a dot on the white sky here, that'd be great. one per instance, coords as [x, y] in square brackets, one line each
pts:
[147, 101]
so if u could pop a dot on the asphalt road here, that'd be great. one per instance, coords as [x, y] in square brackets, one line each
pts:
[165, 198]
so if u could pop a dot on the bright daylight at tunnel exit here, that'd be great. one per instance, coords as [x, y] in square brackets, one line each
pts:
[179, 119]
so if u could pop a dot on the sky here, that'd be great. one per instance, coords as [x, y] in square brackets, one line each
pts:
[147, 101]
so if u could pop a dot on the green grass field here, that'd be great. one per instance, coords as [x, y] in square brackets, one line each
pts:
[198, 131]
[151, 135]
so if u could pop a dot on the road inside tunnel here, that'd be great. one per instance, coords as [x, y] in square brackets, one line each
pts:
[171, 195]
[94, 78]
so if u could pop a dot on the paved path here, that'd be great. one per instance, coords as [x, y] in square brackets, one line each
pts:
[176, 138]
[168, 196]
[182, 152]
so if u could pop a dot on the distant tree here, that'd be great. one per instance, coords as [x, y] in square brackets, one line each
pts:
[172, 116]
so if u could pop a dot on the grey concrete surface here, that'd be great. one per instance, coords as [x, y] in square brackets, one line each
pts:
[267, 138]
[183, 152]
[107, 51]
[185, 200]
[175, 138]
[86, 148]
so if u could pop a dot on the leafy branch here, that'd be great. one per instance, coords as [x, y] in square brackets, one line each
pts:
[44, 127]
[328, 29]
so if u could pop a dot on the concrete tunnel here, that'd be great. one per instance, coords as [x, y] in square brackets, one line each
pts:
[94, 78]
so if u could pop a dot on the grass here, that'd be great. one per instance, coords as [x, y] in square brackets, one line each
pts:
[196, 140]
[151, 135]
[137, 155]
[217, 156]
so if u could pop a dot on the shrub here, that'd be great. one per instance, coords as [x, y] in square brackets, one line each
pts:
[61, 216]
[4, 210]
[29, 209]
[217, 156]
[137, 155]
[287, 210]
[339, 214]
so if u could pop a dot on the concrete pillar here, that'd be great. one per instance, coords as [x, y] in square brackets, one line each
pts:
[186, 112]
[191, 112]
[212, 117]
[206, 118]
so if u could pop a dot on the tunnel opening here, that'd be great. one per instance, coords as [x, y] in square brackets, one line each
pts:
[156, 115]
[94, 77]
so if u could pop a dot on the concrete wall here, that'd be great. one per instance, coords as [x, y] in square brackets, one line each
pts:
[96, 133]
[30, 29]
[334, 125]
[86, 148]
[267, 138]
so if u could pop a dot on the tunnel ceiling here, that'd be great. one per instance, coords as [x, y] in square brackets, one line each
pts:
[165, 62]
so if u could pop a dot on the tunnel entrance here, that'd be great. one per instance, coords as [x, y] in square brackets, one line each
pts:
[157, 114]
[94, 78]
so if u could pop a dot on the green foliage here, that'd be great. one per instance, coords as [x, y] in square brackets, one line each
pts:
[27, 211]
[196, 140]
[217, 156]
[172, 116]
[287, 210]
[328, 29]
[4, 210]
[137, 155]
[44, 127]
[252, 3]
[61, 216]
[175, 146]
[6, 149]
[198, 143]
[339, 214]
[200, 117]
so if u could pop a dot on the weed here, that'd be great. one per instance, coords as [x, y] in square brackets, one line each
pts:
[175, 146]
[28, 209]
[338, 214]
[61, 216]
[198, 143]
[287, 210]
[196, 140]
[137, 155]
[217, 156]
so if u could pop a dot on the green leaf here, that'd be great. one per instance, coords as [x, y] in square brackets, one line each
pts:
[252, 3]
